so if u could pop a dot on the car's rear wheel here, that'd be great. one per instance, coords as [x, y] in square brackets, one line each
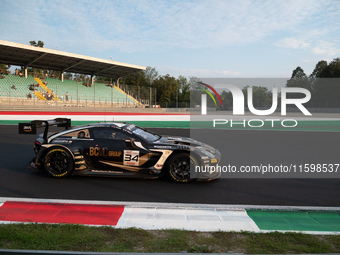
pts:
[58, 163]
[179, 167]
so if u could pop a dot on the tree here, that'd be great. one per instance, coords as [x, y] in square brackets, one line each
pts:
[261, 96]
[319, 68]
[227, 99]
[150, 74]
[37, 44]
[68, 76]
[327, 87]
[325, 92]
[135, 79]
[299, 79]
[332, 70]
[298, 73]
[4, 67]
[166, 88]
[183, 89]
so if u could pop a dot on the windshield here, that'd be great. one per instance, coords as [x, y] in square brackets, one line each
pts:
[145, 134]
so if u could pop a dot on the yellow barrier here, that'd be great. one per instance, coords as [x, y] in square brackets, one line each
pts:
[48, 90]
[39, 95]
[134, 99]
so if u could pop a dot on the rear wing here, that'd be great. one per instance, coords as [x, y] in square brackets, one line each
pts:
[31, 127]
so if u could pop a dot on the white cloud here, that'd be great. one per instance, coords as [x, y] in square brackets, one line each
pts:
[227, 34]
[326, 49]
[131, 26]
[323, 48]
[292, 43]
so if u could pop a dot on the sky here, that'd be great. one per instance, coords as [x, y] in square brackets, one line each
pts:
[201, 38]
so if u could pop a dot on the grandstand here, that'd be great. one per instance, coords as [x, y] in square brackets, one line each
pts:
[27, 88]
[30, 88]
[15, 86]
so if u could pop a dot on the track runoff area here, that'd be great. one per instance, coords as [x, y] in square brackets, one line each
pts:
[198, 217]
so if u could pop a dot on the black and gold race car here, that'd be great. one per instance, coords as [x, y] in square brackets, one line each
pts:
[117, 149]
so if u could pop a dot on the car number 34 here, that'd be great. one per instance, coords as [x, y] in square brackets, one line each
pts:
[131, 158]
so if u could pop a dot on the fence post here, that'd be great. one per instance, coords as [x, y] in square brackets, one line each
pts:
[150, 97]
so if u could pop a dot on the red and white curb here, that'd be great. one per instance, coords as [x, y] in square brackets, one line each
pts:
[148, 216]
[204, 219]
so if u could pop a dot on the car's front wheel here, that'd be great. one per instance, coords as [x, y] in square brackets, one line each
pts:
[179, 167]
[58, 163]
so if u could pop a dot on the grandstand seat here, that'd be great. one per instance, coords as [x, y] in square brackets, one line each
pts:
[76, 91]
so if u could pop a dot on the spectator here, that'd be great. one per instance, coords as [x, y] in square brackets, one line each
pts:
[29, 96]
[13, 87]
[16, 72]
[66, 96]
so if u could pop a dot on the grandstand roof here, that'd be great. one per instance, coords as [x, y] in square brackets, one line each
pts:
[31, 56]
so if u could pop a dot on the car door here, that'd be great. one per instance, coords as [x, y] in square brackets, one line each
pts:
[114, 151]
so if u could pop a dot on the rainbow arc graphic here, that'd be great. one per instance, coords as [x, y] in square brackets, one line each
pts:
[209, 93]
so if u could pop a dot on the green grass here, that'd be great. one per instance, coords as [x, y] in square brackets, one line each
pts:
[108, 239]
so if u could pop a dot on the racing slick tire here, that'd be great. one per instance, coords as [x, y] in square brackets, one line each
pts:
[179, 167]
[58, 163]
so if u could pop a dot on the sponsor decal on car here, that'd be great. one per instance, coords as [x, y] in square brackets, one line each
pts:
[213, 160]
[174, 138]
[131, 158]
[103, 152]
[27, 128]
[62, 141]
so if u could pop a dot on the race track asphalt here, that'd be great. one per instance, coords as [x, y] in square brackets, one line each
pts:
[237, 147]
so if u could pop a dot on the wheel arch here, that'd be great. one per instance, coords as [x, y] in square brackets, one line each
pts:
[54, 169]
[189, 152]
[47, 147]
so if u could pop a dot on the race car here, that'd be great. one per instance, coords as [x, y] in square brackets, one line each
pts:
[117, 149]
